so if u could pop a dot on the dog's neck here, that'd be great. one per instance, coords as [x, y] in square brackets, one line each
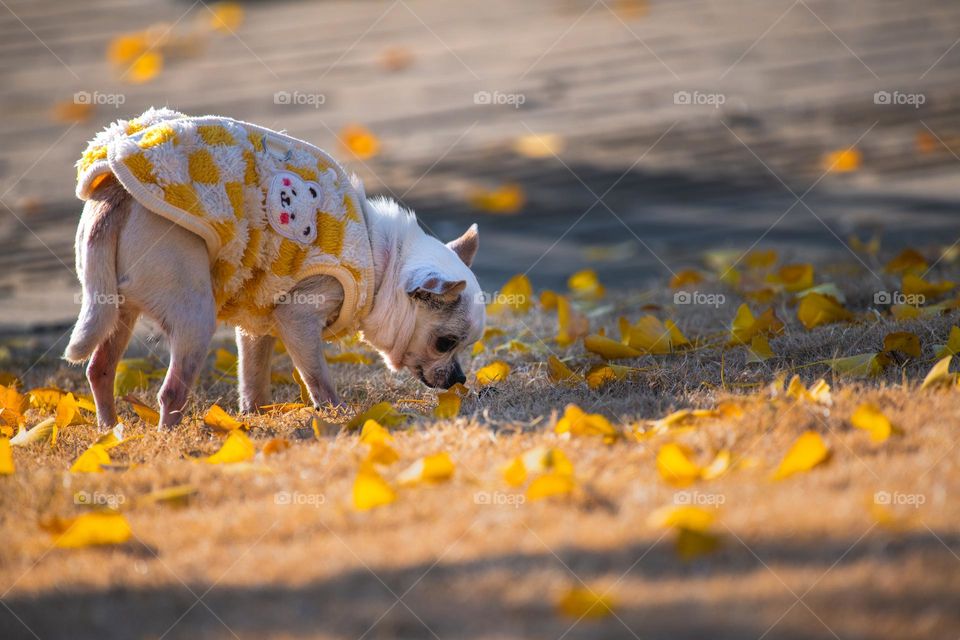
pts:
[389, 323]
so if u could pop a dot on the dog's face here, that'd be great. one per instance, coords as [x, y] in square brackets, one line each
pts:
[448, 308]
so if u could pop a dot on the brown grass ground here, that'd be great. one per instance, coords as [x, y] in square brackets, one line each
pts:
[804, 557]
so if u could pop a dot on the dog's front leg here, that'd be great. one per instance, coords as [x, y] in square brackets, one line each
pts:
[253, 368]
[300, 325]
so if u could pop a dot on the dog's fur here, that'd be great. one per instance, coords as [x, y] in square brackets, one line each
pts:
[427, 305]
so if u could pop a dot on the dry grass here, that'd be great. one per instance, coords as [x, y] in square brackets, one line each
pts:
[804, 556]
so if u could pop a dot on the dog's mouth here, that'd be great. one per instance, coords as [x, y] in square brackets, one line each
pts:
[423, 378]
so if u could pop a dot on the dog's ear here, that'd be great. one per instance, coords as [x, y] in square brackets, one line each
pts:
[432, 285]
[466, 245]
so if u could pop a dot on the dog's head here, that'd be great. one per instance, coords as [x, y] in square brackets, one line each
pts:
[429, 309]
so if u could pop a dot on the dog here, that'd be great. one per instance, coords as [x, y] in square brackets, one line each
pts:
[425, 308]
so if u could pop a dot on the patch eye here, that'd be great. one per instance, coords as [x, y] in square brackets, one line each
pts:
[313, 192]
[445, 344]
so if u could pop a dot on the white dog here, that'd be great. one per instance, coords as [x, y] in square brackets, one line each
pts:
[137, 244]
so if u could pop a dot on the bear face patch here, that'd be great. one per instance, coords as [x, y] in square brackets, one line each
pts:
[292, 204]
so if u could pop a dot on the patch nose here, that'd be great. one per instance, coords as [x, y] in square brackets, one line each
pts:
[284, 218]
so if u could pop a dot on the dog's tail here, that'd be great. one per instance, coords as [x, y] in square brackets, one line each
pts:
[97, 238]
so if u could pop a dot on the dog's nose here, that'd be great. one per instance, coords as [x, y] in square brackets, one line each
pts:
[456, 375]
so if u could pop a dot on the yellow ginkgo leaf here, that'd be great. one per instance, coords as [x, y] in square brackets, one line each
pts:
[548, 300]
[939, 375]
[818, 393]
[539, 145]
[682, 517]
[677, 339]
[236, 448]
[91, 460]
[601, 375]
[126, 47]
[145, 67]
[550, 485]
[914, 285]
[719, 466]
[869, 418]
[478, 348]
[584, 603]
[370, 490]
[382, 412]
[760, 258]
[793, 277]
[952, 347]
[90, 529]
[429, 469]
[496, 371]
[842, 161]
[217, 418]
[359, 141]
[586, 284]
[650, 336]
[132, 375]
[506, 199]
[903, 341]
[746, 325]
[6, 457]
[226, 16]
[816, 309]
[577, 423]
[515, 296]
[610, 349]
[685, 278]
[275, 446]
[558, 372]
[177, 495]
[448, 405]
[807, 451]
[41, 431]
[759, 349]
[861, 365]
[675, 466]
[373, 433]
[349, 357]
[515, 473]
[146, 413]
[68, 413]
[571, 324]
[536, 461]
[907, 261]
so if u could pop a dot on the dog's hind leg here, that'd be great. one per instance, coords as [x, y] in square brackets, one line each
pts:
[253, 369]
[190, 328]
[102, 368]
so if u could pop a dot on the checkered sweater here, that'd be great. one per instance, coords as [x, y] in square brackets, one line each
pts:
[272, 209]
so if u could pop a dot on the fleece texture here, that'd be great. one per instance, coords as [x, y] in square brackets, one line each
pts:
[271, 209]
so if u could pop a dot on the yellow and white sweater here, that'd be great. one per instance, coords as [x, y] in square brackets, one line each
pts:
[272, 209]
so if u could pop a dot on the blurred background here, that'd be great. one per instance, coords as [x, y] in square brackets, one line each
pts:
[623, 135]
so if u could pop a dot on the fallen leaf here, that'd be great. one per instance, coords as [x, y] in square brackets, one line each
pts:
[236, 448]
[382, 412]
[759, 349]
[275, 445]
[359, 141]
[907, 261]
[842, 161]
[649, 335]
[145, 67]
[817, 309]
[90, 529]
[903, 341]
[610, 349]
[494, 372]
[91, 460]
[226, 16]
[685, 278]
[692, 544]
[600, 375]
[745, 326]
[793, 277]
[349, 357]
[550, 485]
[6, 457]
[571, 324]
[952, 347]
[760, 259]
[807, 451]
[939, 375]
[396, 58]
[539, 145]
[558, 372]
[584, 603]
[682, 517]
[861, 365]
[176, 495]
[448, 404]
[516, 296]
[505, 199]
[132, 375]
[818, 393]
[146, 413]
[914, 285]
[41, 431]
[586, 284]
[370, 490]
[217, 418]
[577, 423]
[869, 418]
[675, 466]
[429, 469]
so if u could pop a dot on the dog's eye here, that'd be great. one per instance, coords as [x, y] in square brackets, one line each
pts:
[446, 343]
